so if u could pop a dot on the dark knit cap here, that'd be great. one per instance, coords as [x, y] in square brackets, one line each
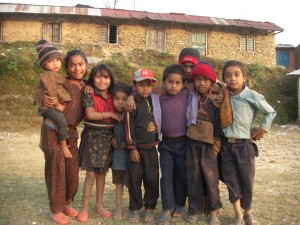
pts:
[189, 55]
[46, 52]
[204, 70]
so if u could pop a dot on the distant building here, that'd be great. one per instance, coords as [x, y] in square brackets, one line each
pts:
[107, 31]
[288, 56]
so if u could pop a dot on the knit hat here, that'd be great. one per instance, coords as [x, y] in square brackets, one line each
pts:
[46, 52]
[189, 55]
[204, 70]
[143, 74]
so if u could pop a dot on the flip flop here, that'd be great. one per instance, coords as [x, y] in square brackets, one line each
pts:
[103, 213]
[164, 219]
[249, 220]
[83, 216]
[237, 221]
[178, 212]
[59, 218]
[149, 215]
[71, 212]
[214, 220]
[134, 216]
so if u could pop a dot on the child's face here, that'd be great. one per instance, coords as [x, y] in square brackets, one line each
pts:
[188, 67]
[144, 88]
[173, 84]
[234, 79]
[102, 80]
[53, 65]
[202, 84]
[119, 101]
[77, 67]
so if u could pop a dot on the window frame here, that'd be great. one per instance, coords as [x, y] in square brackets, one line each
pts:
[153, 43]
[200, 46]
[53, 36]
[109, 37]
[247, 43]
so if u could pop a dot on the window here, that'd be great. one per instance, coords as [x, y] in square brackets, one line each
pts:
[198, 40]
[108, 34]
[155, 39]
[52, 32]
[247, 43]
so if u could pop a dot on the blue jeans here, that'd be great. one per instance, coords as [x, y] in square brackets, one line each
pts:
[173, 182]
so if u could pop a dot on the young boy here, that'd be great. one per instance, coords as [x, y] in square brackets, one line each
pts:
[142, 138]
[203, 145]
[120, 93]
[238, 151]
[51, 84]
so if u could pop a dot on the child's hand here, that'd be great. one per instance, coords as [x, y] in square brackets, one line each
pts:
[130, 104]
[190, 87]
[159, 90]
[217, 93]
[257, 133]
[114, 142]
[134, 155]
[118, 117]
[49, 101]
[60, 107]
[88, 89]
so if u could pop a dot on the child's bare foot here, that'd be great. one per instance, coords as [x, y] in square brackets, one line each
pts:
[118, 213]
[65, 149]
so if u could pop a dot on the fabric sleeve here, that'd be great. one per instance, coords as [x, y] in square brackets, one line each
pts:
[88, 101]
[130, 130]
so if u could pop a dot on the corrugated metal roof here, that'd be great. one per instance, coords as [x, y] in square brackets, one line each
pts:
[131, 14]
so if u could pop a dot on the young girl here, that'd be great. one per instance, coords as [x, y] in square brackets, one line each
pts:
[95, 148]
[61, 174]
[203, 145]
[120, 94]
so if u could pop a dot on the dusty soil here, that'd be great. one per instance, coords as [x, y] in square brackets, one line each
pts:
[277, 182]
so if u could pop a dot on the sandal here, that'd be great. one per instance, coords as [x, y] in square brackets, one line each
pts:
[178, 212]
[134, 216]
[164, 219]
[103, 213]
[214, 220]
[249, 220]
[193, 218]
[83, 216]
[237, 221]
[71, 212]
[59, 218]
[149, 215]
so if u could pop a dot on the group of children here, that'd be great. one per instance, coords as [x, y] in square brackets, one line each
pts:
[184, 123]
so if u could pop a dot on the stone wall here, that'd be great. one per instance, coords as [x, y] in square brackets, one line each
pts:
[220, 45]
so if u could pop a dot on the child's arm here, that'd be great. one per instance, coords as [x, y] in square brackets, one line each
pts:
[130, 136]
[91, 114]
[130, 104]
[134, 155]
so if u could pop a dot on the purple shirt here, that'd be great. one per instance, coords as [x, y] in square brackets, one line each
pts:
[173, 109]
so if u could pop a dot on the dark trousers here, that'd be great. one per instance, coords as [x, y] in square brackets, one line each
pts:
[202, 169]
[173, 184]
[238, 170]
[59, 119]
[145, 171]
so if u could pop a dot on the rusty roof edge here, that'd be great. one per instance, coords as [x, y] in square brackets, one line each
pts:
[176, 17]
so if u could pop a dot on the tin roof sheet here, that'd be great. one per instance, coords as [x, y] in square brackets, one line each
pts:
[131, 14]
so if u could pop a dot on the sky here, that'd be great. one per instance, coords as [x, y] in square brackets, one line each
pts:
[283, 13]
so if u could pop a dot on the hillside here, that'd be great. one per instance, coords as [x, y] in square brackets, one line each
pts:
[19, 75]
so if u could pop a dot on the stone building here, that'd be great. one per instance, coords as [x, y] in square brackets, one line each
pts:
[109, 31]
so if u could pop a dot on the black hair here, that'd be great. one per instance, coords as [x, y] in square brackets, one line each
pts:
[174, 68]
[99, 67]
[233, 63]
[120, 86]
[72, 53]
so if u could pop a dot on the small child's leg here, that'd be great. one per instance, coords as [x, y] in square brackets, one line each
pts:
[65, 149]
[119, 196]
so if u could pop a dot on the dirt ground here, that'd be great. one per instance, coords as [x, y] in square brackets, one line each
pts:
[277, 182]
